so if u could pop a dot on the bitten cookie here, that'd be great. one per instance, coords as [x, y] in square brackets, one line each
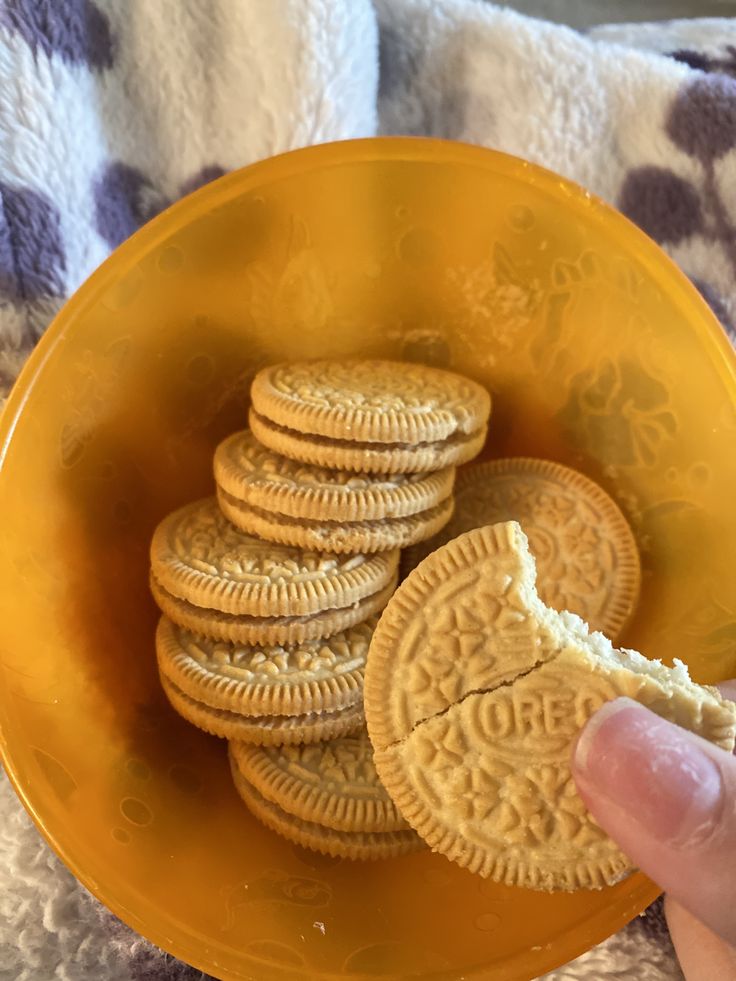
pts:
[369, 416]
[474, 693]
[586, 555]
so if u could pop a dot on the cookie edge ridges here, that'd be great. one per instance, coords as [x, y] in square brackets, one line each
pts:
[621, 609]
[339, 692]
[315, 804]
[345, 538]
[332, 504]
[343, 456]
[317, 626]
[388, 426]
[344, 723]
[325, 840]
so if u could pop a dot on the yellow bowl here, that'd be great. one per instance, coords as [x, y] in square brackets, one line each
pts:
[599, 354]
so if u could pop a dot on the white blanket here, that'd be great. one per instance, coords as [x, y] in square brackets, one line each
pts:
[111, 109]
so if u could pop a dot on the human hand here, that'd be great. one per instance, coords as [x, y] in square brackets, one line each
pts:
[668, 798]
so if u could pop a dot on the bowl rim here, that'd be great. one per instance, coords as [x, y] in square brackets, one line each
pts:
[218, 193]
[374, 149]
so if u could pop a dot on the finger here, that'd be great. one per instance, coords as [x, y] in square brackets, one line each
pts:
[703, 956]
[668, 799]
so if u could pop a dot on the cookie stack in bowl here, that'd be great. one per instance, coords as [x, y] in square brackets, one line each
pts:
[259, 641]
[353, 456]
[293, 503]
[271, 590]
[326, 797]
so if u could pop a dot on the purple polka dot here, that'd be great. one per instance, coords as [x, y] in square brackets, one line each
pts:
[394, 62]
[151, 964]
[702, 121]
[76, 30]
[724, 64]
[693, 59]
[665, 206]
[202, 177]
[653, 923]
[715, 301]
[125, 199]
[32, 257]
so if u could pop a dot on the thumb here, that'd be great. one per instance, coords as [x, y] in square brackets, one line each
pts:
[668, 799]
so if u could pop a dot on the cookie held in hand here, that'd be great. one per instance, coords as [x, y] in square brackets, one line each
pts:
[474, 694]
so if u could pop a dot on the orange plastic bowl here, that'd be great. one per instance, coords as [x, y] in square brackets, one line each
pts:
[599, 354]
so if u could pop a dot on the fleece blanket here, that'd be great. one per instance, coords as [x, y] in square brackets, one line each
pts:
[112, 109]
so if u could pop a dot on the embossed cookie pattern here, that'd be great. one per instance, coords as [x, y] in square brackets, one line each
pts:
[586, 555]
[474, 693]
[326, 796]
[197, 555]
[386, 401]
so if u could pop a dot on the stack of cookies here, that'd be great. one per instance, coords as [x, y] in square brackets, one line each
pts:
[350, 456]
[259, 641]
[270, 591]
[476, 686]
[326, 797]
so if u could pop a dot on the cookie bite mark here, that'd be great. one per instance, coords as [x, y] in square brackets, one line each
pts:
[586, 554]
[473, 736]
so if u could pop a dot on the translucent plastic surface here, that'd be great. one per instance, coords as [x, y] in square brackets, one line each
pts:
[599, 354]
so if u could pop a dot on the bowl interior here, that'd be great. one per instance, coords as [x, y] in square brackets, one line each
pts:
[598, 354]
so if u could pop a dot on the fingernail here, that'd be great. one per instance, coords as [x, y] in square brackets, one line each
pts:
[653, 770]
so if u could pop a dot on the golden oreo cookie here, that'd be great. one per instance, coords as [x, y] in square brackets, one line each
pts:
[336, 536]
[277, 680]
[326, 796]
[199, 557]
[370, 401]
[250, 473]
[362, 846]
[368, 457]
[474, 694]
[369, 416]
[586, 555]
[264, 730]
[334, 783]
[268, 630]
